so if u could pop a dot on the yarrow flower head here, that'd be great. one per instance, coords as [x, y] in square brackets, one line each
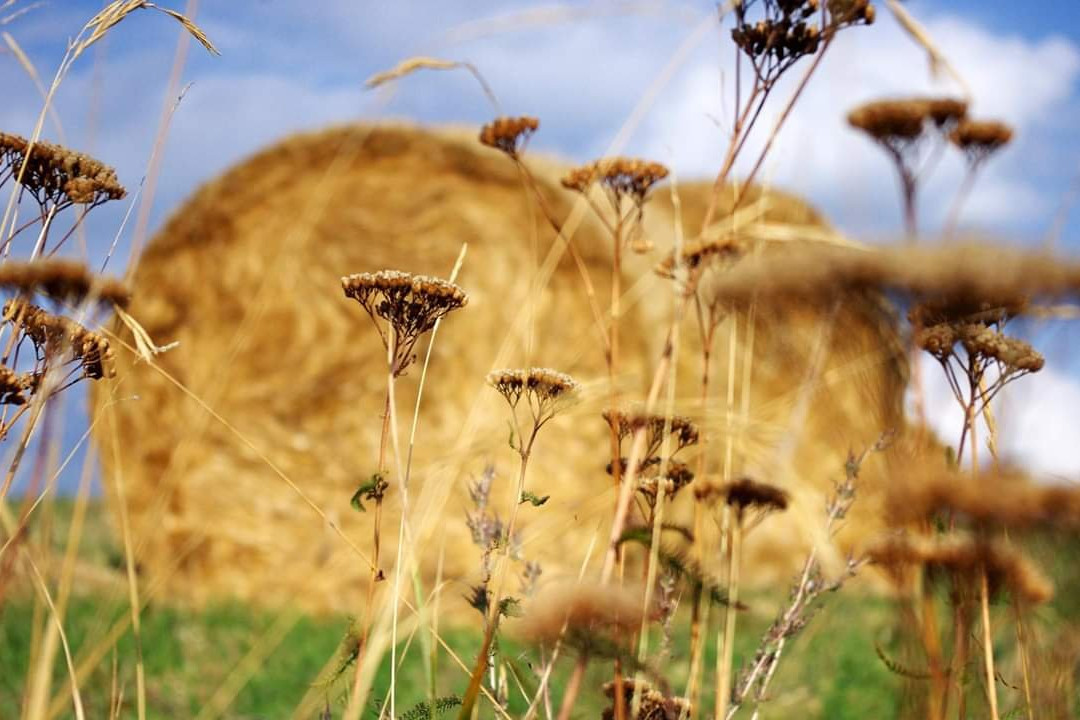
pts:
[979, 139]
[55, 336]
[897, 124]
[624, 423]
[56, 175]
[544, 390]
[774, 34]
[509, 134]
[409, 304]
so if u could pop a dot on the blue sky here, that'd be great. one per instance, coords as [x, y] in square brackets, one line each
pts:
[582, 68]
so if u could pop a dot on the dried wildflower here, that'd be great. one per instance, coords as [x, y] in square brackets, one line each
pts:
[621, 177]
[509, 134]
[697, 254]
[898, 127]
[13, 385]
[655, 705]
[979, 139]
[624, 424]
[962, 560]
[57, 176]
[410, 305]
[746, 493]
[54, 336]
[954, 275]
[1000, 498]
[595, 616]
[545, 391]
[677, 475]
[966, 310]
[774, 34]
[62, 280]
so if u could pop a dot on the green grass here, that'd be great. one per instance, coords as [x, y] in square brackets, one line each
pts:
[830, 671]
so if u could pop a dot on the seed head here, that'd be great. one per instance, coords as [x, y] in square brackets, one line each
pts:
[963, 559]
[980, 138]
[54, 174]
[625, 423]
[54, 336]
[621, 177]
[746, 493]
[509, 134]
[62, 280]
[13, 385]
[410, 305]
[655, 705]
[698, 253]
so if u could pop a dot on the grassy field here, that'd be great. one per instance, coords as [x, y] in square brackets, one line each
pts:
[271, 659]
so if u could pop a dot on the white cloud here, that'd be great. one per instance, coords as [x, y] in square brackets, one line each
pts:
[1019, 80]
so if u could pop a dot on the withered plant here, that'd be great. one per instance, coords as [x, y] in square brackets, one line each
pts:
[55, 178]
[903, 129]
[403, 308]
[750, 502]
[535, 396]
[978, 140]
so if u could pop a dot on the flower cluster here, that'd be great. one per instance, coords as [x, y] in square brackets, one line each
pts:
[655, 705]
[979, 139]
[62, 280]
[509, 134]
[774, 34]
[898, 124]
[961, 560]
[410, 305]
[57, 176]
[545, 390]
[55, 336]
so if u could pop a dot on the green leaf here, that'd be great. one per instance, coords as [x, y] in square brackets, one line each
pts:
[425, 710]
[536, 500]
[373, 491]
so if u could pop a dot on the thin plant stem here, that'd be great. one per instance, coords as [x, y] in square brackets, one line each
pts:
[573, 687]
[725, 657]
[988, 641]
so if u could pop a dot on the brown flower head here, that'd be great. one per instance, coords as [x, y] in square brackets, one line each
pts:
[624, 424]
[899, 125]
[13, 385]
[598, 619]
[655, 705]
[410, 305]
[509, 134]
[55, 175]
[698, 254]
[62, 280]
[962, 560]
[774, 34]
[997, 498]
[545, 391]
[746, 493]
[621, 177]
[979, 139]
[677, 475]
[55, 336]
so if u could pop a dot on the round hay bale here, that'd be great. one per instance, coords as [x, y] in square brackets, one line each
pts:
[247, 440]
